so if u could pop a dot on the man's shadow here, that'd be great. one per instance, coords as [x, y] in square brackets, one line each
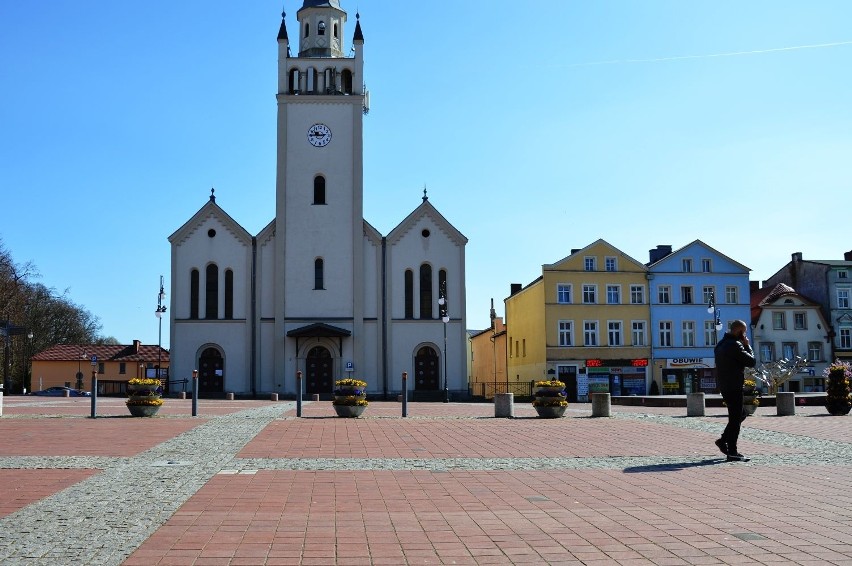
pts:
[673, 466]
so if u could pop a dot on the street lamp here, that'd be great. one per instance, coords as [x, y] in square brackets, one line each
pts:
[161, 310]
[445, 318]
[7, 331]
[712, 308]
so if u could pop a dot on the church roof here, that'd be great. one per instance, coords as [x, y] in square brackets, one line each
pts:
[105, 352]
[282, 31]
[321, 4]
[359, 36]
[319, 330]
[210, 209]
[426, 209]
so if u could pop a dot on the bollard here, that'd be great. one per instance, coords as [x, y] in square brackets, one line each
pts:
[229, 396]
[182, 395]
[66, 393]
[94, 392]
[785, 404]
[504, 405]
[195, 393]
[1, 401]
[273, 396]
[299, 393]
[315, 397]
[695, 404]
[600, 404]
[404, 394]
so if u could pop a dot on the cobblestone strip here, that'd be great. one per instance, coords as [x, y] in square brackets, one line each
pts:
[102, 520]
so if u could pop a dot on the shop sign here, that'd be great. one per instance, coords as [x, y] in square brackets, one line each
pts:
[690, 363]
[582, 385]
[599, 383]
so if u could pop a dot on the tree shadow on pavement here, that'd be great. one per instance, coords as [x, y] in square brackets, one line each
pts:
[672, 466]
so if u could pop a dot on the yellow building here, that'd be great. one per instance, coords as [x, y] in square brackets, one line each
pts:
[71, 365]
[585, 321]
[488, 361]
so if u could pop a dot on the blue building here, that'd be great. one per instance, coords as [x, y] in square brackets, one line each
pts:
[695, 293]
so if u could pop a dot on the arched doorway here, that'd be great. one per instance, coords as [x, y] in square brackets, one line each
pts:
[211, 371]
[318, 371]
[427, 370]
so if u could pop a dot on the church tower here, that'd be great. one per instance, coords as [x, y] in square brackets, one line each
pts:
[319, 227]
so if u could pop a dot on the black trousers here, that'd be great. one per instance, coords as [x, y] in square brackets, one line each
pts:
[734, 402]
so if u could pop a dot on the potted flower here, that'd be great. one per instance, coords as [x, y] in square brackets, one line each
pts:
[350, 397]
[838, 399]
[144, 397]
[750, 397]
[550, 399]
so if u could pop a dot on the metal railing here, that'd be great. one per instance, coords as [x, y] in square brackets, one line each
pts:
[488, 390]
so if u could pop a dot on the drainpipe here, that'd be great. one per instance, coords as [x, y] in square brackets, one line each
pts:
[384, 328]
[253, 318]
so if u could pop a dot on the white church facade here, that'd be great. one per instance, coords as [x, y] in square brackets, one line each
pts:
[319, 290]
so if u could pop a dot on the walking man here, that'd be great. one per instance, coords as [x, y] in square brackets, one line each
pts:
[733, 354]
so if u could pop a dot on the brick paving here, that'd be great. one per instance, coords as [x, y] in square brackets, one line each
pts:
[250, 483]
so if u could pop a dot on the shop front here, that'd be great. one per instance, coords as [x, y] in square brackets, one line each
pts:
[689, 375]
[616, 377]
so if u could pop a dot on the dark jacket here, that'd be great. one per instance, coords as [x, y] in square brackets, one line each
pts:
[732, 357]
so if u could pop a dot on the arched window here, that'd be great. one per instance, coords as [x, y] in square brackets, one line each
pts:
[294, 81]
[335, 31]
[425, 291]
[409, 293]
[311, 80]
[229, 293]
[193, 293]
[318, 273]
[307, 30]
[211, 294]
[319, 189]
[321, 28]
[346, 79]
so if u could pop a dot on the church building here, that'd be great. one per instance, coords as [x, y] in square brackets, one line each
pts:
[319, 290]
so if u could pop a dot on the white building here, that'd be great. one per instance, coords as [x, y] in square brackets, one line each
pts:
[319, 290]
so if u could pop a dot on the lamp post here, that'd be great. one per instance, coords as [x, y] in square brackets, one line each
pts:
[445, 318]
[161, 310]
[711, 309]
[7, 331]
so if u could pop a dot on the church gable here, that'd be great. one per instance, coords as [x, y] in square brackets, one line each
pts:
[210, 217]
[426, 217]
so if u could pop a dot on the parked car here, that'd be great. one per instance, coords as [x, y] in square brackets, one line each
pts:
[60, 392]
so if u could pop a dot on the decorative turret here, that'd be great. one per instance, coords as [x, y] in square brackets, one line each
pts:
[321, 28]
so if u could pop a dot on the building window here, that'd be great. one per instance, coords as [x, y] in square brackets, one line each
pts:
[409, 293]
[610, 264]
[229, 293]
[425, 291]
[318, 273]
[563, 294]
[731, 295]
[638, 327]
[590, 264]
[637, 294]
[442, 289]
[307, 30]
[613, 294]
[566, 333]
[664, 294]
[706, 266]
[688, 333]
[843, 298]
[800, 321]
[846, 338]
[194, 294]
[706, 292]
[686, 295]
[814, 351]
[790, 350]
[590, 294]
[321, 28]
[122, 368]
[524, 347]
[710, 336]
[686, 265]
[319, 189]
[335, 31]
[767, 352]
[614, 328]
[665, 333]
[843, 274]
[779, 321]
[590, 333]
[211, 295]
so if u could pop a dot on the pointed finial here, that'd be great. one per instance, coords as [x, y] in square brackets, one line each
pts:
[425, 198]
[212, 195]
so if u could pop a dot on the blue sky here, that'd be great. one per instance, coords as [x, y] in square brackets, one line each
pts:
[536, 128]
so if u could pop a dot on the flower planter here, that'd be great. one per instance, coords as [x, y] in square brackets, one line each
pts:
[838, 409]
[143, 410]
[750, 404]
[350, 411]
[551, 412]
[549, 391]
[838, 399]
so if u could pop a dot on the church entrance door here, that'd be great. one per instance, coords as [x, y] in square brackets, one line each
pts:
[318, 374]
[427, 369]
[211, 377]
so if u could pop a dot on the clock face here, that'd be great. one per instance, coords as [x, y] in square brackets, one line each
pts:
[319, 135]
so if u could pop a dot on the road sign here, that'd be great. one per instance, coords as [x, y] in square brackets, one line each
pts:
[94, 360]
[350, 366]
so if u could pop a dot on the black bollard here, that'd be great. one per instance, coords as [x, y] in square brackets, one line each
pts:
[299, 393]
[94, 392]
[405, 394]
[195, 393]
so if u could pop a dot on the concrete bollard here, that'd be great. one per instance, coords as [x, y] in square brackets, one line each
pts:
[315, 397]
[399, 398]
[229, 396]
[1, 403]
[66, 393]
[601, 404]
[273, 396]
[785, 404]
[504, 405]
[695, 404]
[182, 395]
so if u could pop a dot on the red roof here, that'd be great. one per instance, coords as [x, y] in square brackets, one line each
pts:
[104, 352]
